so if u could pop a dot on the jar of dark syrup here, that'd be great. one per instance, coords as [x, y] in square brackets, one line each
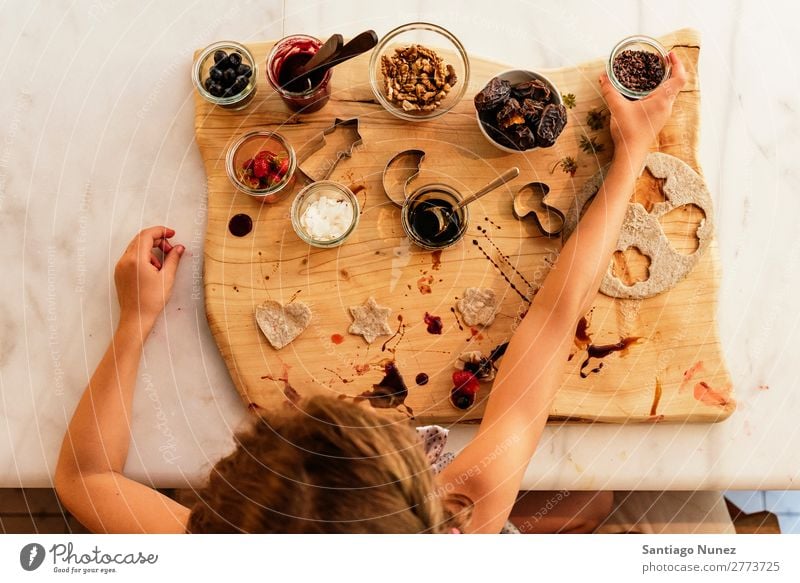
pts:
[420, 224]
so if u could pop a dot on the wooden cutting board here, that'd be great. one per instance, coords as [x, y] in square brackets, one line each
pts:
[675, 373]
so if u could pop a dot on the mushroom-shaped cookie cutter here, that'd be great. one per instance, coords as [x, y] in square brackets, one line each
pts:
[530, 200]
[399, 172]
[319, 141]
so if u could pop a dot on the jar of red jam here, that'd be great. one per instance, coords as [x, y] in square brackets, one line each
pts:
[287, 56]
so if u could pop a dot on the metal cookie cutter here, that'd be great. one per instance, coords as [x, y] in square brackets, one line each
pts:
[399, 172]
[530, 199]
[319, 141]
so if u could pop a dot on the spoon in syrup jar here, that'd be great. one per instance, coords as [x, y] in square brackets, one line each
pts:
[442, 216]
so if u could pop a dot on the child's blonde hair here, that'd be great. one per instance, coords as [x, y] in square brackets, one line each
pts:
[326, 466]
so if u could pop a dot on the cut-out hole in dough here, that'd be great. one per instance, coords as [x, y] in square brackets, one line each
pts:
[630, 266]
[649, 190]
[680, 226]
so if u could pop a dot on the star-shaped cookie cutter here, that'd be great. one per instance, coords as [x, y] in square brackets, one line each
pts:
[530, 199]
[319, 141]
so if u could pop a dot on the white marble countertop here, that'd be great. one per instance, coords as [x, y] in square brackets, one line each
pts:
[96, 141]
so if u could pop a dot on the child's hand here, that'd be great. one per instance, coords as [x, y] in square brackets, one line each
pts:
[143, 283]
[635, 125]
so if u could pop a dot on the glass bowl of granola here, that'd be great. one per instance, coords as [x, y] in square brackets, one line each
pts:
[419, 71]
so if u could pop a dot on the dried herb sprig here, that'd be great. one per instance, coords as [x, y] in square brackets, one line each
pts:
[590, 145]
[596, 118]
[568, 165]
[569, 100]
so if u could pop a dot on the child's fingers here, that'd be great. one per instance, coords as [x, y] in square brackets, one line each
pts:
[677, 80]
[145, 240]
[162, 244]
[171, 261]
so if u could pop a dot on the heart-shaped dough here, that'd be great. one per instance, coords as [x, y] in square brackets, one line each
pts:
[282, 324]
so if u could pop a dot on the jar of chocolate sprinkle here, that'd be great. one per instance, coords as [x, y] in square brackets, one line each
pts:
[637, 66]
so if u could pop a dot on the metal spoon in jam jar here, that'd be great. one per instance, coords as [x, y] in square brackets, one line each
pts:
[441, 216]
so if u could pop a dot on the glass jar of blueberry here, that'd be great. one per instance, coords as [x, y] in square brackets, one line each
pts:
[225, 74]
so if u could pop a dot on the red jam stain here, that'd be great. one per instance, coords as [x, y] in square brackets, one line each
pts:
[362, 368]
[337, 338]
[498, 351]
[709, 396]
[424, 284]
[511, 284]
[240, 225]
[421, 379]
[475, 333]
[505, 258]
[399, 333]
[341, 378]
[603, 350]
[656, 398]
[436, 259]
[583, 341]
[458, 321]
[292, 396]
[689, 374]
[356, 190]
[389, 393]
[434, 323]
[495, 225]
[582, 338]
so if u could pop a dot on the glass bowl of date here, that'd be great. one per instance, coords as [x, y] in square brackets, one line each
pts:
[419, 71]
[519, 111]
[224, 74]
[262, 164]
[325, 213]
[637, 66]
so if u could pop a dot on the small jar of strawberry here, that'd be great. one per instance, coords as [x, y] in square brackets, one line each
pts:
[262, 164]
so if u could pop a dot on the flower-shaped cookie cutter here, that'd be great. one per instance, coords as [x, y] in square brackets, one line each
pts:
[530, 200]
[319, 141]
[399, 172]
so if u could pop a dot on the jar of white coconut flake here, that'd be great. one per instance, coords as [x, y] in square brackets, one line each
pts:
[325, 213]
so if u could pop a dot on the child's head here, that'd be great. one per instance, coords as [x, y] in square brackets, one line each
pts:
[325, 466]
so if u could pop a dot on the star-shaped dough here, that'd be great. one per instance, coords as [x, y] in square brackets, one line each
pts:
[370, 320]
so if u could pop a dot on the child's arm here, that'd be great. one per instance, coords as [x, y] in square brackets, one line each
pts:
[489, 470]
[89, 477]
